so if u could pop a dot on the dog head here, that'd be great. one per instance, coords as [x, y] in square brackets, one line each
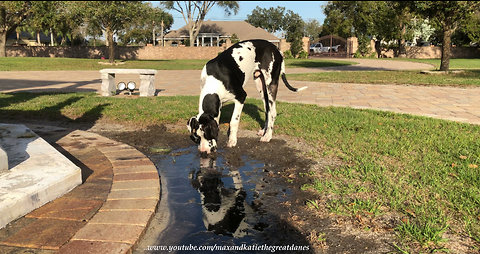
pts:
[204, 132]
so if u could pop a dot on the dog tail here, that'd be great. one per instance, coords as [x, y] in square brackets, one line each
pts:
[284, 78]
[291, 88]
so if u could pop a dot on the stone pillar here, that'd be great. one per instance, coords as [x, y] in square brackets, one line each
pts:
[352, 46]
[284, 45]
[306, 44]
[147, 85]
[108, 84]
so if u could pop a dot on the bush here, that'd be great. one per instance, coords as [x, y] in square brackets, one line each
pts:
[303, 55]
[288, 54]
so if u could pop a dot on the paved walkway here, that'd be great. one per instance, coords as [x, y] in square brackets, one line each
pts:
[458, 104]
[108, 213]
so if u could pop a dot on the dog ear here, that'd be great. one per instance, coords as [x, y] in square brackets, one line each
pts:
[193, 124]
[210, 128]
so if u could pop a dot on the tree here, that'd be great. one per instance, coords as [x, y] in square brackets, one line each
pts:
[312, 29]
[352, 18]
[448, 15]
[42, 17]
[111, 16]
[275, 19]
[12, 14]
[471, 28]
[294, 27]
[145, 29]
[67, 20]
[271, 19]
[378, 20]
[194, 13]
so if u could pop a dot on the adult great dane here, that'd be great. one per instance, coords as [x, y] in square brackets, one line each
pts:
[223, 79]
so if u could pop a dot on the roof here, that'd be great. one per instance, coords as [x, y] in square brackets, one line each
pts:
[242, 29]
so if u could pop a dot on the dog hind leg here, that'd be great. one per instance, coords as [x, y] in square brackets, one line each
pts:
[269, 96]
[259, 83]
[272, 112]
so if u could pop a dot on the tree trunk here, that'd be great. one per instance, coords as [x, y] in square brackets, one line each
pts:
[192, 37]
[153, 33]
[3, 43]
[51, 37]
[161, 33]
[402, 51]
[38, 39]
[446, 47]
[111, 46]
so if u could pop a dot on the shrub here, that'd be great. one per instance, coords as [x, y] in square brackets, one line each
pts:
[288, 54]
[303, 55]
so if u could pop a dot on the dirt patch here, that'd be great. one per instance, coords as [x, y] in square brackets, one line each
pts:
[288, 161]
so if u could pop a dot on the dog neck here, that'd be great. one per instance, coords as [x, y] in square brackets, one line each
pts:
[210, 105]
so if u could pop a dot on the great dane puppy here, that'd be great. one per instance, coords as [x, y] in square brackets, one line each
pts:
[223, 79]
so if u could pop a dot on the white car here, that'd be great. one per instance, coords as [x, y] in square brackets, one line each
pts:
[319, 48]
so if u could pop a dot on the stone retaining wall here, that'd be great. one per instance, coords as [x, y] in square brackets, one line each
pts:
[127, 53]
[169, 53]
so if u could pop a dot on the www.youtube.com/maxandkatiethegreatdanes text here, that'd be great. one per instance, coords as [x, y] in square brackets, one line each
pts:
[243, 247]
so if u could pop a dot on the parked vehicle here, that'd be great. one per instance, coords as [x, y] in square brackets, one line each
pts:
[319, 48]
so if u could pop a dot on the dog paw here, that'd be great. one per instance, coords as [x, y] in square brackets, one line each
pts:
[261, 132]
[266, 138]
[231, 143]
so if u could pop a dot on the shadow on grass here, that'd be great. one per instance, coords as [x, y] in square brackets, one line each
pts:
[250, 109]
[318, 64]
[51, 113]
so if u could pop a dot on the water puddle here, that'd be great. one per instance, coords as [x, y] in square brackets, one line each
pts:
[212, 202]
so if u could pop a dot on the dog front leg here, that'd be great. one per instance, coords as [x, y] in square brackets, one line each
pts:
[234, 122]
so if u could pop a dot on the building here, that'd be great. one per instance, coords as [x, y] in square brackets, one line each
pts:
[216, 33]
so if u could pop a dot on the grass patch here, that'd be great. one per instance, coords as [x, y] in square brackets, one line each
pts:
[455, 63]
[426, 170]
[59, 64]
[467, 78]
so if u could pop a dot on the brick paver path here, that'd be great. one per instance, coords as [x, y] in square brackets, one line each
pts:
[108, 213]
[458, 104]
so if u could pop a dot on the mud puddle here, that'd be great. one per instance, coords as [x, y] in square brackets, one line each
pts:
[210, 202]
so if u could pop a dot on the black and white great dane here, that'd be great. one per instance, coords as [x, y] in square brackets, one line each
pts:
[223, 79]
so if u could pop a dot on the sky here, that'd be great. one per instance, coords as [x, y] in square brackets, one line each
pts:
[306, 9]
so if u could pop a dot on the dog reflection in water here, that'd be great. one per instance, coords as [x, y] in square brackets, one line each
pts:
[225, 210]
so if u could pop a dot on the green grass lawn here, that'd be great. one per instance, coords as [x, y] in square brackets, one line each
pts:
[58, 64]
[422, 169]
[455, 63]
[467, 78]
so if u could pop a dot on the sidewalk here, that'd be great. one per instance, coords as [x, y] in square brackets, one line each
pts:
[458, 104]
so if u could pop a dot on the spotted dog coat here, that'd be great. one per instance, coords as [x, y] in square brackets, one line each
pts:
[223, 79]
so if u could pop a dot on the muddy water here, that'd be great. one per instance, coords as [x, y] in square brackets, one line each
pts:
[208, 202]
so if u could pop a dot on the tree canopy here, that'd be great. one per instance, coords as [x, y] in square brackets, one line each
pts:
[401, 21]
[278, 19]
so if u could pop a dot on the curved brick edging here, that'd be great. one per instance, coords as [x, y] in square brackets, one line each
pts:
[130, 205]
